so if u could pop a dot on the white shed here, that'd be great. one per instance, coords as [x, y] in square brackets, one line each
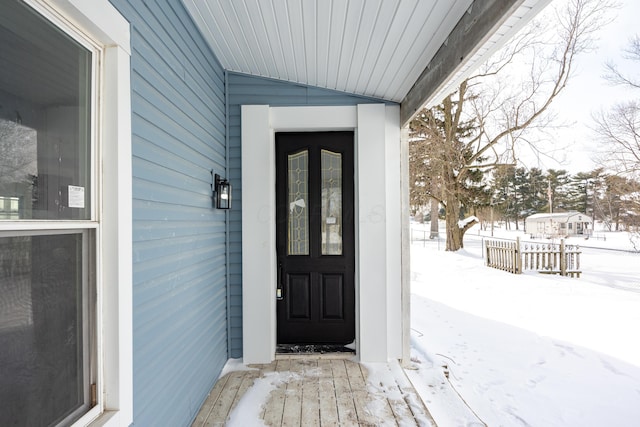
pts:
[562, 224]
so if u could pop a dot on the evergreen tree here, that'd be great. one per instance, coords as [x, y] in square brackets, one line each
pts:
[580, 197]
[535, 193]
[502, 190]
[597, 188]
[558, 183]
[521, 184]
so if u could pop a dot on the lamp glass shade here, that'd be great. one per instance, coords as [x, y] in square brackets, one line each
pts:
[223, 194]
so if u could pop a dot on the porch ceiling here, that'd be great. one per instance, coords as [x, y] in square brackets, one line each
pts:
[375, 48]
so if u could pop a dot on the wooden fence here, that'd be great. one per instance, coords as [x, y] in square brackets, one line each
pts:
[549, 258]
[503, 255]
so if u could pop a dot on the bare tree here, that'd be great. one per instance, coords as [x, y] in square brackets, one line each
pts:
[479, 127]
[619, 128]
[618, 131]
[613, 73]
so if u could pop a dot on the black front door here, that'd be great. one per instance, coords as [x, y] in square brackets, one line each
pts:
[315, 238]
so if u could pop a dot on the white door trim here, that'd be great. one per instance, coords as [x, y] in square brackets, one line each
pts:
[377, 195]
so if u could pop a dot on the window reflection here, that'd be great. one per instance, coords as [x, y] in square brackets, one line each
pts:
[45, 96]
[18, 169]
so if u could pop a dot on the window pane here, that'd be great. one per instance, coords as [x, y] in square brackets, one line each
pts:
[42, 343]
[298, 188]
[45, 80]
[331, 203]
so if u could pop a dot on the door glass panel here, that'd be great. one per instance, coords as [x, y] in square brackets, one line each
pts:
[298, 199]
[331, 164]
[45, 96]
[42, 330]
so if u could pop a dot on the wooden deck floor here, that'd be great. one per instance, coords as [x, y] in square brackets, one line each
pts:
[314, 391]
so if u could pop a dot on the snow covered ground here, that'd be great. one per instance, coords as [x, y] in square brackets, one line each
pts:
[530, 349]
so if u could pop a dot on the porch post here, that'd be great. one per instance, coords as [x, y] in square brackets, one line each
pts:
[406, 247]
[372, 260]
[258, 222]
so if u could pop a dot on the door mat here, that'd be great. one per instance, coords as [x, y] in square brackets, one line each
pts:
[312, 349]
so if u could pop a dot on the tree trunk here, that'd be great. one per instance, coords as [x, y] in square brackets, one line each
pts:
[455, 233]
[452, 215]
[434, 219]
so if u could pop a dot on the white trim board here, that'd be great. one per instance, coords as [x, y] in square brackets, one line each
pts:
[378, 219]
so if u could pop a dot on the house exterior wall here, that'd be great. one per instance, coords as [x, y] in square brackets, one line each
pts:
[179, 241]
[248, 90]
[558, 224]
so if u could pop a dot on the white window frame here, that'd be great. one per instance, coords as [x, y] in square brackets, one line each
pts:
[99, 22]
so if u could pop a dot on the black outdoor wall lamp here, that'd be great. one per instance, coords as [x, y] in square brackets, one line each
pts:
[221, 192]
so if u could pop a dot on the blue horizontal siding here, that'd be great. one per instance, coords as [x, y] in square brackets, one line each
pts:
[244, 89]
[160, 230]
[179, 242]
[167, 118]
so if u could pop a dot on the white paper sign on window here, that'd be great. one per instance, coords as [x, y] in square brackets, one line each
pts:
[76, 196]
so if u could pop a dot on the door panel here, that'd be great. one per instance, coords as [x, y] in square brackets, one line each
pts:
[332, 293]
[299, 296]
[315, 238]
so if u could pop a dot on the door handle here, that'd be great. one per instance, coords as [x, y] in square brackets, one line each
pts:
[279, 288]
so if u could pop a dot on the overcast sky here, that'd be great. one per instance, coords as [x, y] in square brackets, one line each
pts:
[588, 92]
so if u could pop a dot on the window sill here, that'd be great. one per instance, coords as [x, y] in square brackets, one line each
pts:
[107, 418]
